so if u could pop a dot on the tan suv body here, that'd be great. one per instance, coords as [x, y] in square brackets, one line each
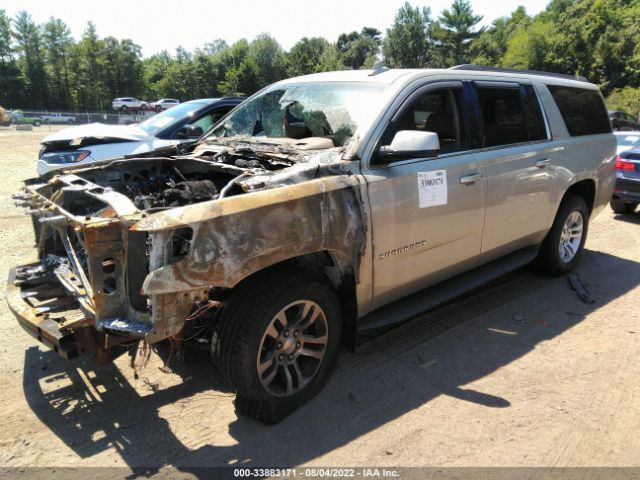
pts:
[323, 207]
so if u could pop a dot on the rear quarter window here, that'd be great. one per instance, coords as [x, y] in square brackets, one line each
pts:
[582, 109]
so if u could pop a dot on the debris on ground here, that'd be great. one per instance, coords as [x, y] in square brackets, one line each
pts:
[580, 289]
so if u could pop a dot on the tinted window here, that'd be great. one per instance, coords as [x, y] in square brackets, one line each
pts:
[583, 110]
[534, 121]
[510, 115]
[435, 111]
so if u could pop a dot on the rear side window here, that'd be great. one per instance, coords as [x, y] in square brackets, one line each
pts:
[510, 115]
[582, 109]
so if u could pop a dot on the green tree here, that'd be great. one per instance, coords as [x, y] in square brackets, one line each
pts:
[330, 61]
[408, 41]
[491, 45]
[155, 71]
[306, 56]
[215, 46]
[11, 80]
[57, 41]
[267, 55]
[123, 70]
[356, 50]
[242, 80]
[454, 31]
[534, 47]
[89, 63]
[31, 61]
[627, 99]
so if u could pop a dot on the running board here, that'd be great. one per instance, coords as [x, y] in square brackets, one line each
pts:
[443, 292]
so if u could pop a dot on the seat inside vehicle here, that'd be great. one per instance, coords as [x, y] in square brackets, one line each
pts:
[435, 112]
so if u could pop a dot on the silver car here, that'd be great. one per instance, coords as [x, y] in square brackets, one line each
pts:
[323, 208]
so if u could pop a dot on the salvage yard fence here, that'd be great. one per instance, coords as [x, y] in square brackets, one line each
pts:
[29, 117]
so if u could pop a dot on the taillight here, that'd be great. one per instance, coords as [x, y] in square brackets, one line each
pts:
[624, 166]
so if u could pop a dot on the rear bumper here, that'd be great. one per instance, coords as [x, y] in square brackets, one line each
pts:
[45, 311]
[627, 190]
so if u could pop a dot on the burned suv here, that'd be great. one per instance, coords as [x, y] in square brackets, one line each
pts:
[323, 208]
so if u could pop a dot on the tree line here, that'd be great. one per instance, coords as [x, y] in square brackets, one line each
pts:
[44, 67]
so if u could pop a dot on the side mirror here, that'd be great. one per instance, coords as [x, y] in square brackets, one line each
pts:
[189, 131]
[410, 144]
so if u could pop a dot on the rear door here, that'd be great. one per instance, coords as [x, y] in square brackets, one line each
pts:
[427, 213]
[514, 139]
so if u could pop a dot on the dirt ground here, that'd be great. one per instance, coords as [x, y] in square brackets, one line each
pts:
[520, 374]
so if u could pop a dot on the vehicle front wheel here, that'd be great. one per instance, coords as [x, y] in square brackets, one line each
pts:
[620, 206]
[564, 244]
[277, 341]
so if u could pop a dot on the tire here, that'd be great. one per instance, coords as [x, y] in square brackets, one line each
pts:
[620, 206]
[253, 335]
[555, 259]
[37, 123]
[124, 108]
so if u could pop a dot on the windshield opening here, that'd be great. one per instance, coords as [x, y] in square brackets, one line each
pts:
[329, 110]
[154, 124]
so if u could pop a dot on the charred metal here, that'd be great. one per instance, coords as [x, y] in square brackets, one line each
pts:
[137, 249]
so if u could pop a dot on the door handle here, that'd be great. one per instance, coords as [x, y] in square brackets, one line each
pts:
[543, 163]
[469, 179]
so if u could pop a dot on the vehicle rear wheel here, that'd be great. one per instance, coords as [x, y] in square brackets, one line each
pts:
[620, 206]
[124, 108]
[563, 246]
[277, 341]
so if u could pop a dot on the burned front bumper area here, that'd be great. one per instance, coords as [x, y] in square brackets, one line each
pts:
[84, 295]
[141, 263]
[46, 311]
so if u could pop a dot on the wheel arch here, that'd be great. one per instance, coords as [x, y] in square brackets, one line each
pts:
[585, 189]
[336, 267]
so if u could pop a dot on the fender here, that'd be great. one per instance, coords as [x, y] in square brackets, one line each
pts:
[238, 236]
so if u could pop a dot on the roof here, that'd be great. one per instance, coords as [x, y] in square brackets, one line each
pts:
[386, 77]
[405, 76]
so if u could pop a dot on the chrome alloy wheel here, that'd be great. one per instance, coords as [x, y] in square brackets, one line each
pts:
[571, 236]
[292, 348]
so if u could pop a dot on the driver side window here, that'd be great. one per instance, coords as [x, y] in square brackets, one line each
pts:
[436, 111]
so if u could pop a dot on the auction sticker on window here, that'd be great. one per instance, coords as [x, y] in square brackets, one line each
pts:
[432, 188]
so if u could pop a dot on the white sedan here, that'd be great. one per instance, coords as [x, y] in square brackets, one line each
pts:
[95, 142]
[164, 104]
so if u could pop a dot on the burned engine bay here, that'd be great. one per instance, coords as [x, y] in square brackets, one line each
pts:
[209, 173]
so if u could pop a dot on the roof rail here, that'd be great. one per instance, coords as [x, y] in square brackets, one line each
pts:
[482, 68]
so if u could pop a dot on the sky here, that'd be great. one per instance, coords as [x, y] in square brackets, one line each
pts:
[164, 25]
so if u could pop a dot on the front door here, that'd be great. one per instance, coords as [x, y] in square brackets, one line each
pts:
[427, 213]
